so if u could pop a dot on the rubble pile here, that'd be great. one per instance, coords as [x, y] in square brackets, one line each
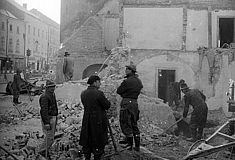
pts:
[23, 146]
[23, 111]
[69, 117]
[112, 77]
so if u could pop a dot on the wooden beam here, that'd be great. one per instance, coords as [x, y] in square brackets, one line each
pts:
[226, 136]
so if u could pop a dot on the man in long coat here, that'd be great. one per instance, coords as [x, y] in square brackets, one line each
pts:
[196, 99]
[94, 133]
[129, 90]
[17, 80]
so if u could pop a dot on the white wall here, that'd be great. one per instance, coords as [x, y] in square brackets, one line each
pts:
[197, 30]
[154, 28]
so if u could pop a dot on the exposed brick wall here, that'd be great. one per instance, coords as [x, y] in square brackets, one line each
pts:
[87, 40]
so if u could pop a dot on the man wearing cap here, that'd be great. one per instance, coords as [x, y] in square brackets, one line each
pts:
[48, 112]
[17, 80]
[199, 115]
[129, 90]
[174, 94]
[94, 133]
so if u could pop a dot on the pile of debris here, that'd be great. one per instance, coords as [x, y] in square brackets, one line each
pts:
[22, 147]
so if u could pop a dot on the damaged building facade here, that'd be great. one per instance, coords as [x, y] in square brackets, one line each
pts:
[168, 41]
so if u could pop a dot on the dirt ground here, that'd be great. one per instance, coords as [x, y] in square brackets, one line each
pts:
[172, 151]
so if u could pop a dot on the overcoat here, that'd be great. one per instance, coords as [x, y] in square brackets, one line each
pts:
[17, 80]
[94, 131]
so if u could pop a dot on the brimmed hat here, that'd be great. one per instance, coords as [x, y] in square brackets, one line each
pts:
[131, 67]
[182, 81]
[92, 79]
[50, 84]
[66, 54]
[18, 70]
[184, 86]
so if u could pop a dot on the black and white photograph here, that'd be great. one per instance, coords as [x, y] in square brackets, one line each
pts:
[117, 79]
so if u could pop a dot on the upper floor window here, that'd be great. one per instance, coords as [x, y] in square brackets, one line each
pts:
[2, 46]
[18, 30]
[11, 28]
[42, 34]
[28, 29]
[10, 48]
[3, 26]
[38, 32]
[18, 46]
[34, 30]
[226, 32]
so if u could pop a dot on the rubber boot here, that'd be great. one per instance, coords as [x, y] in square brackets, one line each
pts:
[124, 141]
[200, 134]
[97, 157]
[14, 100]
[137, 143]
[130, 143]
[87, 156]
[17, 101]
[194, 135]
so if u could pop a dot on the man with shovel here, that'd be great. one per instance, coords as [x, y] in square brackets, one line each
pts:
[196, 99]
[48, 112]
[129, 90]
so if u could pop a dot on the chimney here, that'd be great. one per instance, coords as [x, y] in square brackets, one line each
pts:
[25, 5]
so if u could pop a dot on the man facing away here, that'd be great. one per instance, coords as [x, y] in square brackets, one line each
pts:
[174, 94]
[199, 115]
[48, 112]
[129, 90]
[94, 133]
[17, 80]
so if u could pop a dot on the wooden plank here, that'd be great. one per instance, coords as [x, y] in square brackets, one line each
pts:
[226, 136]
[209, 151]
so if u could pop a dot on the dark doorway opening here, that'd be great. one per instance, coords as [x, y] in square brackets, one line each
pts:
[226, 31]
[164, 79]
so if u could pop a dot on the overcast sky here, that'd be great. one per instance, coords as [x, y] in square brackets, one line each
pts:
[50, 8]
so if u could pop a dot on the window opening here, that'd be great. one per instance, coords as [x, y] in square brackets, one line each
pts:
[226, 32]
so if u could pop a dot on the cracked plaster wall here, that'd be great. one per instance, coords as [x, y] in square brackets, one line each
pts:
[216, 68]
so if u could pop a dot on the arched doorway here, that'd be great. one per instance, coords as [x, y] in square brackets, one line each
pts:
[92, 69]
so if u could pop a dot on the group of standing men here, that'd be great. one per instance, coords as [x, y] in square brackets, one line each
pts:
[94, 132]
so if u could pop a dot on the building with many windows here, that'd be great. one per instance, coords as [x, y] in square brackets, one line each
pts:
[12, 34]
[28, 39]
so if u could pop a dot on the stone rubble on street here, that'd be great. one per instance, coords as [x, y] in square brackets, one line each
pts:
[155, 117]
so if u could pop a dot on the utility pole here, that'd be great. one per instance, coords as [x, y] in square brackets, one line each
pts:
[7, 38]
[24, 71]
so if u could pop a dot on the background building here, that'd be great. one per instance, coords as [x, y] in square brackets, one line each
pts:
[12, 36]
[169, 41]
[27, 31]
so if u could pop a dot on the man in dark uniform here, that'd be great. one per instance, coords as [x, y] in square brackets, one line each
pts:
[48, 112]
[129, 90]
[199, 115]
[94, 133]
[17, 80]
